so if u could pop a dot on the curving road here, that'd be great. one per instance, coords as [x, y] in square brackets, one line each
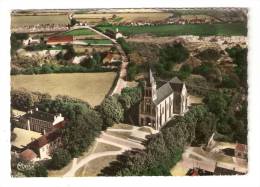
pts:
[91, 157]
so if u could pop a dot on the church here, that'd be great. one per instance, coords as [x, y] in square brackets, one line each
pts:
[160, 104]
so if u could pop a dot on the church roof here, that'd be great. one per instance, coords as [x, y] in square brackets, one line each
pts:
[176, 87]
[176, 84]
[175, 80]
[163, 92]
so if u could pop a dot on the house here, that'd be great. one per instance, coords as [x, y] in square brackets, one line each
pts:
[31, 41]
[46, 144]
[39, 121]
[118, 34]
[159, 105]
[111, 58]
[79, 59]
[62, 40]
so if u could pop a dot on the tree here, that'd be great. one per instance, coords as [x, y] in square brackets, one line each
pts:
[209, 55]
[239, 56]
[229, 82]
[132, 71]
[176, 53]
[40, 171]
[111, 110]
[126, 47]
[60, 158]
[216, 103]
[70, 52]
[114, 16]
[16, 41]
[130, 96]
[205, 128]
[185, 71]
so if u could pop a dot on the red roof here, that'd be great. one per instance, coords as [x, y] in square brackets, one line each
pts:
[60, 125]
[60, 39]
[241, 147]
[28, 155]
[49, 137]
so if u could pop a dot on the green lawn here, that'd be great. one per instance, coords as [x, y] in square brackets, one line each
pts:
[98, 41]
[225, 29]
[79, 32]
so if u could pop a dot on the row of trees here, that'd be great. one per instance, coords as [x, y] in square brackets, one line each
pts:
[54, 68]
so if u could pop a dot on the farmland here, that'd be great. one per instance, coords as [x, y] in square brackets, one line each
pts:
[18, 21]
[79, 32]
[225, 29]
[98, 42]
[90, 87]
[123, 17]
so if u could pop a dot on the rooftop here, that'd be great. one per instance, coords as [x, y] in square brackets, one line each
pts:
[40, 115]
[60, 39]
[163, 92]
[45, 139]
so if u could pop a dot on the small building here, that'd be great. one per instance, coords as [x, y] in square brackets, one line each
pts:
[31, 41]
[111, 58]
[79, 59]
[46, 144]
[159, 105]
[39, 121]
[241, 151]
[62, 40]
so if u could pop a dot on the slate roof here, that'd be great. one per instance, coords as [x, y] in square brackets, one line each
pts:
[176, 80]
[176, 84]
[41, 116]
[163, 92]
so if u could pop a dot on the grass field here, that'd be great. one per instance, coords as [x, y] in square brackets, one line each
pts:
[94, 167]
[34, 20]
[103, 147]
[79, 32]
[225, 29]
[91, 87]
[98, 41]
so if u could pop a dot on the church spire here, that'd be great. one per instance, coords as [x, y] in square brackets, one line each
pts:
[152, 84]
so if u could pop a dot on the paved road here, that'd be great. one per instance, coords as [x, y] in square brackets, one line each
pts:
[121, 83]
[91, 157]
[108, 139]
[121, 141]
